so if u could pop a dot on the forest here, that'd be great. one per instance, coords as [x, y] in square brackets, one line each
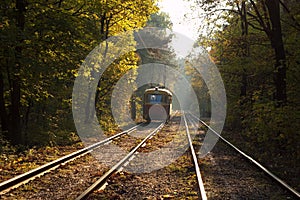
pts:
[255, 47]
[254, 44]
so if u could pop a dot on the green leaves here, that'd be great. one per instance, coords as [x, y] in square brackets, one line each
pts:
[57, 37]
[256, 114]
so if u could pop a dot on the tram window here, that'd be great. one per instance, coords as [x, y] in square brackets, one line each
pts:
[155, 98]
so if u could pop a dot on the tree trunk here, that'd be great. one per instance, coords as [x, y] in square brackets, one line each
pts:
[16, 132]
[245, 46]
[280, 58]
[3, 112]
[104, 29]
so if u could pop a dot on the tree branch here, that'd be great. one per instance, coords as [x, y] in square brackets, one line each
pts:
[255, 27]
[296, 23]
[260, 20]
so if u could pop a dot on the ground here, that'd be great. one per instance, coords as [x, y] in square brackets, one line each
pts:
[226, 174]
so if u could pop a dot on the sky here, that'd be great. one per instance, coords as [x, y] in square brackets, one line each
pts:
[176, 10]
[184, 22]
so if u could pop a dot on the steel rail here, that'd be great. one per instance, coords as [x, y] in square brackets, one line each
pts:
[276, 178]
[103, 178]
[22, 178]
[195, 160]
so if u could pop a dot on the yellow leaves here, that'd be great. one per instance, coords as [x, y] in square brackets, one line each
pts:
[128, 15]
[167, 196]
[86, 73]
[74, 72]
[4, 23]
[95, 16]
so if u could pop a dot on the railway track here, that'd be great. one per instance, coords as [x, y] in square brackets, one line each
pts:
[22, 179]
[98, 185]
[37, 172]
[202, 192]
[279, 181]
[190, 122]
[101, 181]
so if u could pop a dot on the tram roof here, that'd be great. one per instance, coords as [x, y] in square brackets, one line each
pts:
[163, 90]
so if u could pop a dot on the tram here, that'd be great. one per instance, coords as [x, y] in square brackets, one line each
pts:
[157, 104]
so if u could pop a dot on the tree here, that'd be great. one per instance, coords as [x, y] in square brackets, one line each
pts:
[264, 16]
[261, 116]
[116, 17]
[42, 45]
[149, 55]
[12, 122]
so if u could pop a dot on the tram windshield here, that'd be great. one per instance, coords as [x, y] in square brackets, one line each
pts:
[155, 98]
